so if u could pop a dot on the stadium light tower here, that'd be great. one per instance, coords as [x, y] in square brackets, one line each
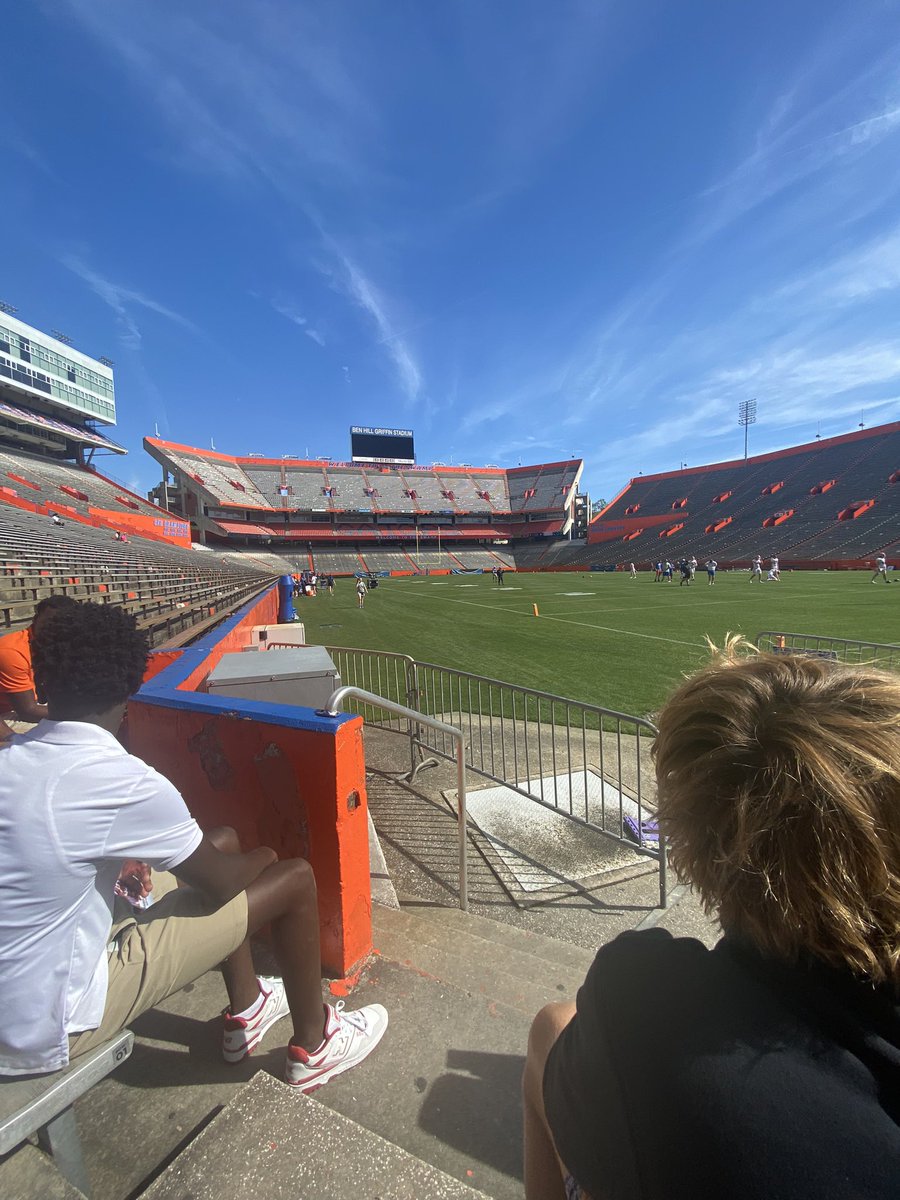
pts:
[9, 309]
[746, 417]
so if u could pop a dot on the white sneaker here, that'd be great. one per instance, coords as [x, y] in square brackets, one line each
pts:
[349, 1038]
[241, 1035]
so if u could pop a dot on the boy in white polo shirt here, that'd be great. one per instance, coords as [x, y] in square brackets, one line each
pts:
[81, 818]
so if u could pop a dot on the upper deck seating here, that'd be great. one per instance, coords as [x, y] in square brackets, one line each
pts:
[86, 488]
[761, 489]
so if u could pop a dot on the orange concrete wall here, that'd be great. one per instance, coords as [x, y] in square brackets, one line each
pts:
[283, 776]
[299, 791]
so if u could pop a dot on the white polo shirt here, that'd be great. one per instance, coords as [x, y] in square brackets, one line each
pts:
[73, 805]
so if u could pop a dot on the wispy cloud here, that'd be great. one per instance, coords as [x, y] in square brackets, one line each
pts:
[347, 277]
[122, 300]
[16, 140]
[287, 308]
[275, 100]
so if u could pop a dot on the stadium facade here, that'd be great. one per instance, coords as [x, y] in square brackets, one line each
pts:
[55, 404]
[402, 517]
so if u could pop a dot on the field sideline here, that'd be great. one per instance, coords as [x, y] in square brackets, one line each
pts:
[602, 638]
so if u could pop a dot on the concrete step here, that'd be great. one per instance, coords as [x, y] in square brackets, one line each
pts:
[517, 969]
[271, 1141]
[29, 1172]
[527, 941]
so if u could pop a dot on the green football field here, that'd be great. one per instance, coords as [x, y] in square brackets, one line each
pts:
[602, 638]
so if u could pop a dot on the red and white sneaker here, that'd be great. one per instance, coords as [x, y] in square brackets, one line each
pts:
[349, 1038]
[241, 1035]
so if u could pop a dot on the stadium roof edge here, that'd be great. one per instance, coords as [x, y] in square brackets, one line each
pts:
[161, 444]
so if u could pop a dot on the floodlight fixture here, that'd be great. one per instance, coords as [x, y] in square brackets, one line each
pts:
[61, 337]
[746, 417]
[9, 309]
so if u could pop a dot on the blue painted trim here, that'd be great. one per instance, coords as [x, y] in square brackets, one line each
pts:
[162, 691]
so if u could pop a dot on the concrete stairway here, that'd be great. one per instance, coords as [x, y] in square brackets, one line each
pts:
[271, 1141]
[436, 1107]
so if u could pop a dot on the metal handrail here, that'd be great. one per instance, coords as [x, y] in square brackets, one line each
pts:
[846, 650]
[332, 710]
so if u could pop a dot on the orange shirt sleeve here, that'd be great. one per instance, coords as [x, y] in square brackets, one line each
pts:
[15, 663]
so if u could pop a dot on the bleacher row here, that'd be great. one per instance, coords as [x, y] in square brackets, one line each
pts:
[174, 593]
[363, 558]
[804, 490]
[330, 487]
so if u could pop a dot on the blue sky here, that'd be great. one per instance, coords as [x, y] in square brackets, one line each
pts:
[526, 230]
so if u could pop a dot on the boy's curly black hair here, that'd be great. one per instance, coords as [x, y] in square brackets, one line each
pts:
[52, 604]
[87, 659]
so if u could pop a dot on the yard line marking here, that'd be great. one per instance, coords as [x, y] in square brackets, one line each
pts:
[584, 624]
[656, 608]
[623, 632]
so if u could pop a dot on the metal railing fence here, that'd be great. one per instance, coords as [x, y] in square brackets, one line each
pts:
[588, 763]
[419, 720]
[837, 649]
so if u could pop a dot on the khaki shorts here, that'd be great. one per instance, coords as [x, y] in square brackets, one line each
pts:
[159, 950]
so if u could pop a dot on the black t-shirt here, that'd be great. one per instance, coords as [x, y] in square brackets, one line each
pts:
[720, 1075]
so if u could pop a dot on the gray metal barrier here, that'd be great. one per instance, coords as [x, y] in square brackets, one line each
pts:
[837, 649]
[587, 763]
[419, 720]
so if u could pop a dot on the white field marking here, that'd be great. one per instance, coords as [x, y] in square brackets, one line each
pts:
[656, 608]
[574, 593]
[467, 585]
[584, 624]
[652, 637]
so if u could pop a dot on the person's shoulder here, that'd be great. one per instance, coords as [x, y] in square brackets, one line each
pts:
[636, 969]
[651, 949]
[15, 644]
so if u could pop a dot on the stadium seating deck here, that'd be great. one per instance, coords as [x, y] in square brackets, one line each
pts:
[860, 467]
[170, 589]
[52, 476]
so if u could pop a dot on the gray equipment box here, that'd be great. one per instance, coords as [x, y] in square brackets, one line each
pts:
[306, 676]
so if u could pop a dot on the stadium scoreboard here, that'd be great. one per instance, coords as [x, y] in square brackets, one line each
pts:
[381, 445]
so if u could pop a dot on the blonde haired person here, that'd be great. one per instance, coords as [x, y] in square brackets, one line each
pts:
[768, 1066]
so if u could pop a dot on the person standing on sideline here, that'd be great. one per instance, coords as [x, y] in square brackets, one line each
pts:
[361, 590]
[756, 569]
[711, 566]
[500, 573]
[880, 569]
[657, 567]
[692, 563]
[631, 568]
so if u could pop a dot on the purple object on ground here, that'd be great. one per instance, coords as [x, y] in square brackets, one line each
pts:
[645, 833]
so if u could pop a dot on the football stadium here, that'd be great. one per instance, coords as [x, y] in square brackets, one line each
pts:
[438, 684]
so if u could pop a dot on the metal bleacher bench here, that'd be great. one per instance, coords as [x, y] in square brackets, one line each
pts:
[42, 1104]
